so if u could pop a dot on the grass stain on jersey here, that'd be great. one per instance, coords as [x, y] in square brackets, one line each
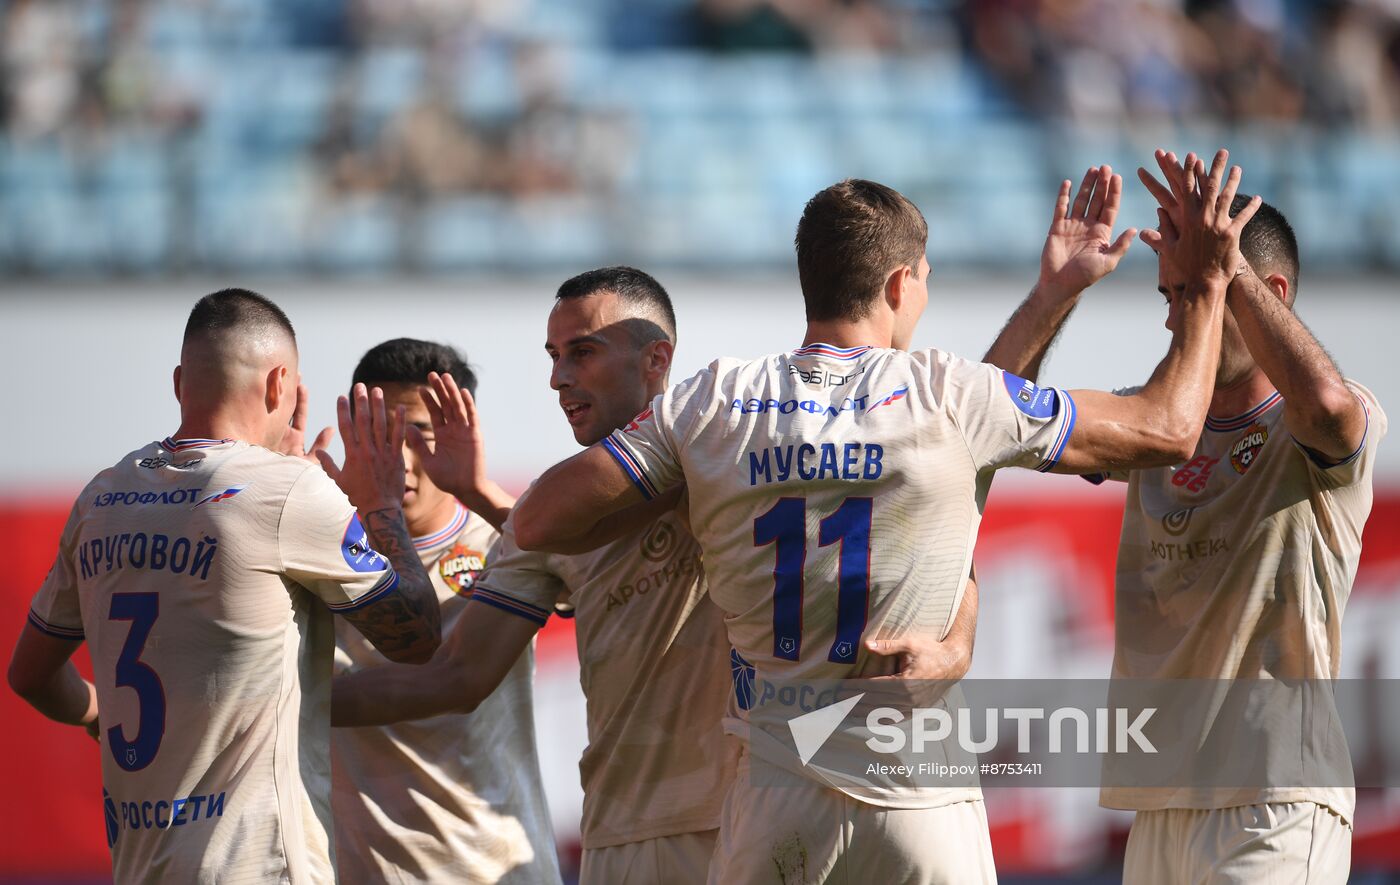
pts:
[790, 856]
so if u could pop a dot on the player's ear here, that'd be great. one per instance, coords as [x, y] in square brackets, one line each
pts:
[656, 357]
[894, 286]
[276, 390]
[176, 379]
[1278, 284]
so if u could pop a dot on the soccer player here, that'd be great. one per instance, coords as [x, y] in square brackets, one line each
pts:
[654, 665]
[1236, 562]
[836, 490]
[452, 798]
[202, 571]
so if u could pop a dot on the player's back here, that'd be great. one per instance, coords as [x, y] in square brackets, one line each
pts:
[212, 663]
[837, 492]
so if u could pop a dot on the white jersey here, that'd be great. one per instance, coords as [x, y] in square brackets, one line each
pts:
[654, 670]
[455, 797]
[203, 574]
[837, 494]
[1237, 566]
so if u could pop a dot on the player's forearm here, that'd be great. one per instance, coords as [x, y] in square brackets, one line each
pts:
[395, 693]
[63, 697]
[489, 501]
[416, 628]
[570, 501]
[1328, 415]
[963, 634]
[1026, 338]
[1171, 407]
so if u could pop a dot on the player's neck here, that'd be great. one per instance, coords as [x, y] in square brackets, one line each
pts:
[1236, 397]
[435, 521]
[868, 332]
[217, 427]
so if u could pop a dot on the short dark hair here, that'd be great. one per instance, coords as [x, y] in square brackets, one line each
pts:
[240, 309]
[850, 237]
[636, 288]
[409, 360]
[1268, 243]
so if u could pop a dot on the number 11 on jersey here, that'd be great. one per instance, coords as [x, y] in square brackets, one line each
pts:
[785, 525]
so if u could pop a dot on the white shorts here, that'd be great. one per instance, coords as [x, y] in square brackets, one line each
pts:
[683, 859]
[1278, 843]
[807, 833]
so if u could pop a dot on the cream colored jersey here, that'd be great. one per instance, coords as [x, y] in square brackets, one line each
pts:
[837, 494]
[203, 574]
[1237, 565]
[454, 798]
[655, 674]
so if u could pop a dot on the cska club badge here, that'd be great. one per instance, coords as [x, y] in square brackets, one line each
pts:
[459, 568]
[1246, 449]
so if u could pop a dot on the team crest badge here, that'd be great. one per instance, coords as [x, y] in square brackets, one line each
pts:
[1246, 449]
[459, 568]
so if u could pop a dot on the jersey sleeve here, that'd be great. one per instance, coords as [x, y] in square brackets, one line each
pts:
[649, 448]
[1359, 464]
[519, 582]
[1007, 421]
[325, 549]
[54, 609]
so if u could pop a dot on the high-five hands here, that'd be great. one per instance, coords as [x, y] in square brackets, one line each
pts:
[1196, 236]
[373, 474]
[1080, 248]
[456, 458]
[294, 439]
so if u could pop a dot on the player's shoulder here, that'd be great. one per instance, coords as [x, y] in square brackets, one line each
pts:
[1374, 412]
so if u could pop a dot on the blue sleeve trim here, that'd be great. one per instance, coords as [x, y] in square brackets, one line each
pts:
[631, 468]
[386, 585]
[1327, 464]
[43, 626]
[531, 613]
[1062, 440]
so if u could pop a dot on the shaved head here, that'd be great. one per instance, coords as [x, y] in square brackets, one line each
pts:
[642, 299]
[233, 337]
[238, 346]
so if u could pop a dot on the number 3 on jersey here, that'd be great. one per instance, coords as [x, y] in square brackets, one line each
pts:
[141, 609]
[786, 526]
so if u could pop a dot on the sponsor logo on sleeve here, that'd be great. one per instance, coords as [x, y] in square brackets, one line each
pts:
[1034, 401]
[459, 568]
[355, 548]
[1246, 449]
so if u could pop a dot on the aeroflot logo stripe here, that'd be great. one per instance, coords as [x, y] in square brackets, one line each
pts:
[631, 468]
[895, 397]
[222, 496]
[836, 353]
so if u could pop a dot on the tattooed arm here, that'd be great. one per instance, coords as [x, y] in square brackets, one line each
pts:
[404, 625]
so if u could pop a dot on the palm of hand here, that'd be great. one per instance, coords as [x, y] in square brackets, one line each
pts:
[1077, 253]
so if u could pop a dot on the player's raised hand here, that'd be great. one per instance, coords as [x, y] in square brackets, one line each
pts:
[1080, 248]
[294, 439]
[456, 457]
[1197, 236]
[373, 474]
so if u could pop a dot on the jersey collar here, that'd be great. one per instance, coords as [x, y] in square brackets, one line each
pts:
[1222, 425]
[170, 444]
[446, 533]
[836, 353]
